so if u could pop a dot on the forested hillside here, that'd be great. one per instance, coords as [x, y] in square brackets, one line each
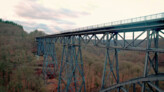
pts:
[17, 60]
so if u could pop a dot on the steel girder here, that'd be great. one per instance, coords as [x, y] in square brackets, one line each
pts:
[137, 81]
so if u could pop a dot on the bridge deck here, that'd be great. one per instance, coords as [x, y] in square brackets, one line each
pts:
[155, 22]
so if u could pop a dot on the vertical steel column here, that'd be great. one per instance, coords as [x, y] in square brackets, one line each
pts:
[124, 39]
[54, 55]
[44, 61]
[95, 39]
[105, 63]
[133, 38]
[73, 56]
[156, 39]
[116, 60]
[81, 62]
[61, 68]
[146, 59]
[69, 62]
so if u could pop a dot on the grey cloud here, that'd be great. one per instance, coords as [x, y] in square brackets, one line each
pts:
[33, 10]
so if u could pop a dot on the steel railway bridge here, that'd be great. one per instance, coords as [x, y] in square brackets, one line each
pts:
[113, 36]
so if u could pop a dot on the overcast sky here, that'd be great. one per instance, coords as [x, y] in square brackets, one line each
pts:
[53, 16]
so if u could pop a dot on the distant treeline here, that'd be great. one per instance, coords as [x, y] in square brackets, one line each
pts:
[10, 22]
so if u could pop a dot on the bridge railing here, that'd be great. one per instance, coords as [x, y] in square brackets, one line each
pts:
[126, 21]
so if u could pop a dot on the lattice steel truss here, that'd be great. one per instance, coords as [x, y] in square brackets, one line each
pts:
[113, 39]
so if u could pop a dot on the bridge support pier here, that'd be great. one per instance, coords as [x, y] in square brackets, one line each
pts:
[151, 58]
[71, 76]
[50, 64]
[110, 74]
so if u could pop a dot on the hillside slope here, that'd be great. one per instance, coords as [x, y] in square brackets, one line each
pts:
[16, 59]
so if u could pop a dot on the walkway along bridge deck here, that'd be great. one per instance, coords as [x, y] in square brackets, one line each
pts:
[113, 36]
